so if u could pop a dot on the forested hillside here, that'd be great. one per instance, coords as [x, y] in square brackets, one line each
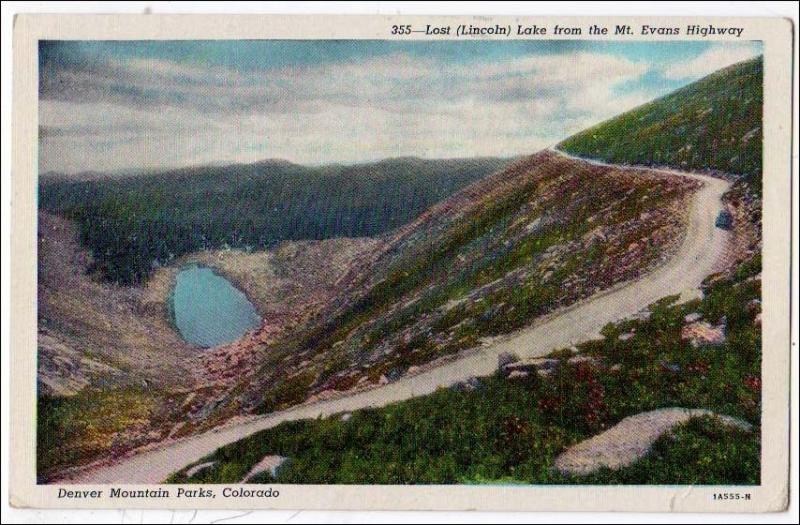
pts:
[134, 223]
[711, 124]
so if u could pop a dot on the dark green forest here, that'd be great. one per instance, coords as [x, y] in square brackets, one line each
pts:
[132, 224]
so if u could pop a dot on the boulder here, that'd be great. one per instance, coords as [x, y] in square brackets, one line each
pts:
[324, 395]
[587, 359]
[641, 315]
[692, 317]
[532, 364]
[702, 334]
[271, 464]
[670, 367]
[197, 468]
[393, 375]
[630, 440]
[469, 385]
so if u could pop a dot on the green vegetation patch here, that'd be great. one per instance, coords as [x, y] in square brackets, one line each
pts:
[74, 430]
[712, 124]
[511, 430]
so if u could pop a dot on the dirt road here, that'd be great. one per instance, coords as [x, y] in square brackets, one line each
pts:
[697, 256]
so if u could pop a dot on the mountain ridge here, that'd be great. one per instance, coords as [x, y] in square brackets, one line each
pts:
[50, 176]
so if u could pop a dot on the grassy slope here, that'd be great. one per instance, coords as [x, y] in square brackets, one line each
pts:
[541, 234]
[712, 124]
[512, 430]
[132, 222]
[77, 429]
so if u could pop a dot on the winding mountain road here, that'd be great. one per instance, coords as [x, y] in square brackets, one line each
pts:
[697, 256]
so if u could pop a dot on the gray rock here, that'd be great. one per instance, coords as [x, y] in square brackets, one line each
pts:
[692, 317]
[578, 359]
[506, 358]
[469, 385]
[271, 464]
[532, 364]
[630, 440]
[671, 367]
[198, 468]
[393, 375]
[702, 333]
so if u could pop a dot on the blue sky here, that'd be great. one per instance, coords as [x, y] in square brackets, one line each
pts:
[157, 104]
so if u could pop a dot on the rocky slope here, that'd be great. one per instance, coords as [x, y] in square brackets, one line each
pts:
[289, 286]
[541, 234]
[95, 334]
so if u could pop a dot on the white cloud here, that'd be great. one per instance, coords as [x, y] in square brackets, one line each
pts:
[151, 114]
[716, 57]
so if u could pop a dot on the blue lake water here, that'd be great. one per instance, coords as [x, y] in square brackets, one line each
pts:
[208, 309]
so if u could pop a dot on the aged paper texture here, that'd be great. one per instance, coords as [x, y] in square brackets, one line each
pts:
[401, 262]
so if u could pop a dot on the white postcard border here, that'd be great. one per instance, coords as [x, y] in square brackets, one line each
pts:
[771, 495]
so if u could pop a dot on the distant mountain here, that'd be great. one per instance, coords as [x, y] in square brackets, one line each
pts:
[712, 124]
[132, 223]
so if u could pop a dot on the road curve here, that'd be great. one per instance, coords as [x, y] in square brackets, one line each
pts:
[701, 249]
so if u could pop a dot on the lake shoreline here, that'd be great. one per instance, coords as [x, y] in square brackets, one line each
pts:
[208, 309]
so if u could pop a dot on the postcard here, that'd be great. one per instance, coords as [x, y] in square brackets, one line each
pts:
[401, 262]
